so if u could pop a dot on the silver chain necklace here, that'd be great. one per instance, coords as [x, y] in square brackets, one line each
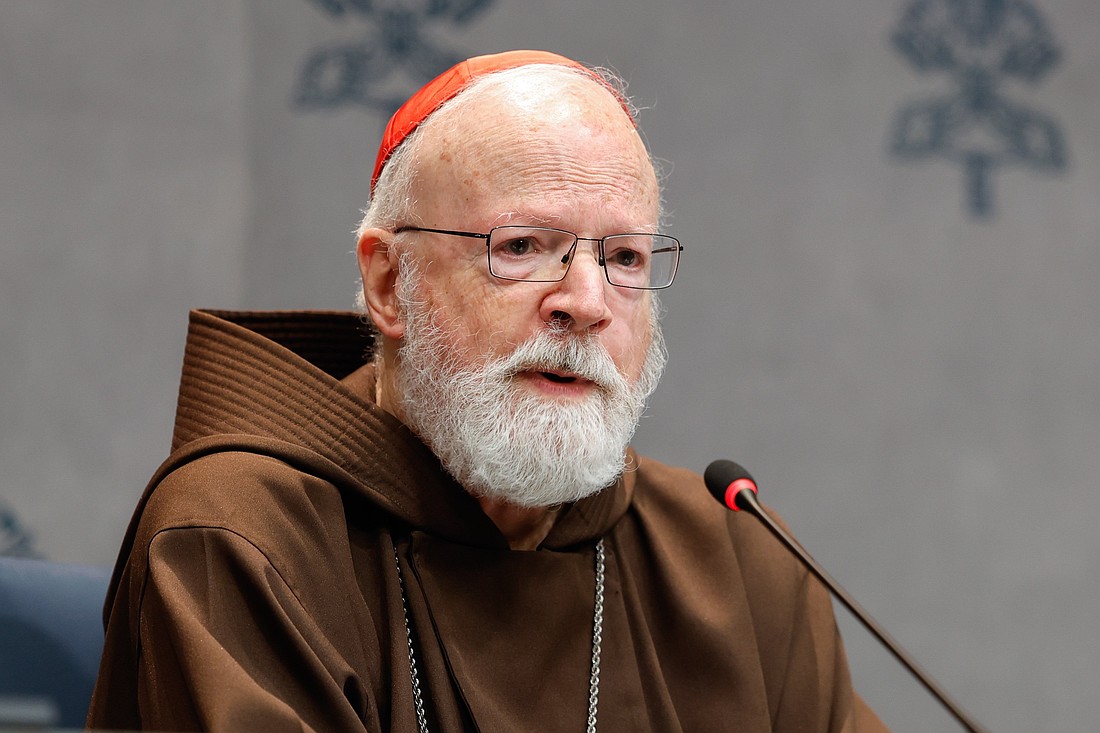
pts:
[597, 643]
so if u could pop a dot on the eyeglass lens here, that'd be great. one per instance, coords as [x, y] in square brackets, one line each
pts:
[538, 254]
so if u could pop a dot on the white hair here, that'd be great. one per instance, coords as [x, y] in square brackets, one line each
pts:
[503, 442]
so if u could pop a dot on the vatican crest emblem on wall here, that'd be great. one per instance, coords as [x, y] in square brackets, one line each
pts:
[395, 53]
[15, 539]
[991, 53]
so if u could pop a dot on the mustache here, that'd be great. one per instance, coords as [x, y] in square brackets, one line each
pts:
[582, 356]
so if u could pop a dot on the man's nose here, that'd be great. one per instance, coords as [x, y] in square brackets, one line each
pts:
[580, 298]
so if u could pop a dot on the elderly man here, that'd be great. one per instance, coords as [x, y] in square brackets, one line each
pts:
[455, 535]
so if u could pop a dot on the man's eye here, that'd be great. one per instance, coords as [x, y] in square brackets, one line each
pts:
[518, 247]
[625, 258]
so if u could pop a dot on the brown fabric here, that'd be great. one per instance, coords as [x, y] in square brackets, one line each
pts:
[257, 587]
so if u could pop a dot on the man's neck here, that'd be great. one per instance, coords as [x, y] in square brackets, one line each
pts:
[524, 528]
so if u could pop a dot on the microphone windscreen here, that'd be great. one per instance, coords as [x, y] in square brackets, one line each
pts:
[720, 474]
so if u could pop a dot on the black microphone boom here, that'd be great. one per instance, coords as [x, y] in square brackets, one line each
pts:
[732, 485]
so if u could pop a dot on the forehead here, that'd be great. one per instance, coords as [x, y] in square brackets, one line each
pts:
[555, 143]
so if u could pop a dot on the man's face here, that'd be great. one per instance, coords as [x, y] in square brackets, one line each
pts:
[573, 163]
[508, 381]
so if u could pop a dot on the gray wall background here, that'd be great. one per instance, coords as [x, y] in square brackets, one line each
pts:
[914, 386]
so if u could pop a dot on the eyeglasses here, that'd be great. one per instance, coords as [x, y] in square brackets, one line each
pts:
[540, 254]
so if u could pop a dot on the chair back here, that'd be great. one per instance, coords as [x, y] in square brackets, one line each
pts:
[51, 639]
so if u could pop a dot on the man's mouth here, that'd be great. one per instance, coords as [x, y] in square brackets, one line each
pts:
[559, 377]
[563, 377]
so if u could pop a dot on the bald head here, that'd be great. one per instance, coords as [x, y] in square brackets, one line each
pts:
[530, 136]
[523, 129]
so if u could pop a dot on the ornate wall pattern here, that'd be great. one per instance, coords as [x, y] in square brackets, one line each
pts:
[401, 48]
[982, 46]
[15, 539]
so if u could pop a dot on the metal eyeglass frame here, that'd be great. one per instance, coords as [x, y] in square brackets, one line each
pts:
[600, 240]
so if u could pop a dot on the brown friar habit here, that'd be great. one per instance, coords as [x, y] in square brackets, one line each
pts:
[257, 588]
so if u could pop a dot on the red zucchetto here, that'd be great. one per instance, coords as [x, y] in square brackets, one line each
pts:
[445, 86]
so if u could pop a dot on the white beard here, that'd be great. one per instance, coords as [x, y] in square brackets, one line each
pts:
[502, 441]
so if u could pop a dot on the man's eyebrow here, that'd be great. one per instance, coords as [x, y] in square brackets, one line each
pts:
[509, 217]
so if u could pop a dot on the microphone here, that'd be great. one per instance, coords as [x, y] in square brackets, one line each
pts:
[734, 487]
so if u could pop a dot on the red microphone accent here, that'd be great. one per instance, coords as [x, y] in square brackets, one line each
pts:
[736, 488]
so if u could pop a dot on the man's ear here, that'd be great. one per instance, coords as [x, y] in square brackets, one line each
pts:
[378, 266]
